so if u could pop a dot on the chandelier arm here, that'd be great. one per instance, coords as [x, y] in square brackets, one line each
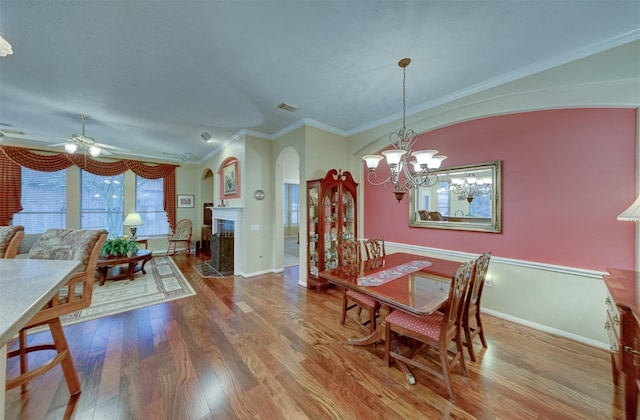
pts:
[371, 176]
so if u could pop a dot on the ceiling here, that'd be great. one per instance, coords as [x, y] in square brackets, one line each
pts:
[154, 75]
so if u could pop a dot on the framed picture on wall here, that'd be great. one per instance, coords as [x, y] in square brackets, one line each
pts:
[230, 174]
[185, 200]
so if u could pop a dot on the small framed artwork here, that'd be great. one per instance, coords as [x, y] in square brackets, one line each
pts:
[230, 174]
[185, 200]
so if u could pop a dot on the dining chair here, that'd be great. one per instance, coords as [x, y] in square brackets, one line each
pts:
[349, 253]
[10, 239]
[60, 244]
[471, 311]
[436, 331]
[181, 234]
[374, 247]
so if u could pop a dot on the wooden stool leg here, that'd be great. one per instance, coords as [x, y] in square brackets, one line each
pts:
[69, 370]
[24, 360]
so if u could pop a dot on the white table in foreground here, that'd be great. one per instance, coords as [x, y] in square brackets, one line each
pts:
[25, 287]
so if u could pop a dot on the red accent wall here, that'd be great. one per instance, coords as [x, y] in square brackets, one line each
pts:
[567, 174]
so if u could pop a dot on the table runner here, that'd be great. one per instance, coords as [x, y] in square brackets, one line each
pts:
[385, 276]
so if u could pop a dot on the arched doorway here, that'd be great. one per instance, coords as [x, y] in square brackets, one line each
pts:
[288, 195]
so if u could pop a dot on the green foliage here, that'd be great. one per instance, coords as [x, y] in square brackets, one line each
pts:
[120, 246]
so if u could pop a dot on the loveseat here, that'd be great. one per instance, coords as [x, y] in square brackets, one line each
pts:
[26, 244]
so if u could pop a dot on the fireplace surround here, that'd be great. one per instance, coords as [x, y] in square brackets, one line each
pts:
[221, 216]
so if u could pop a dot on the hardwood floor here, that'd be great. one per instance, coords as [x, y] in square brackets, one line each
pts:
[266, 348]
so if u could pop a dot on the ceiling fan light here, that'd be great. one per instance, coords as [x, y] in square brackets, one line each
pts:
[70, 147]
[5, 48]
[95, 151]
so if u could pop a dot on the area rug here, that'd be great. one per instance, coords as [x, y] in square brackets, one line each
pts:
[163, 282]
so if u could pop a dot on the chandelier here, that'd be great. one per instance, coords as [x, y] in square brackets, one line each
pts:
[471, 186]
[82, 142]
[405, 174]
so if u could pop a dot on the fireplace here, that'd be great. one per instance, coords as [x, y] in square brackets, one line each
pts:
[227, 236]
[222, 243]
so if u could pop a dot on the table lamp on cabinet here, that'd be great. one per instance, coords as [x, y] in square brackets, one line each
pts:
[133, 220]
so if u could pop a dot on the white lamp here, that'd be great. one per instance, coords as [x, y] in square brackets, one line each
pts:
[133, 220]
[632, 214]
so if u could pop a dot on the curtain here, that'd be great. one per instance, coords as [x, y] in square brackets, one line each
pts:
[12, 158]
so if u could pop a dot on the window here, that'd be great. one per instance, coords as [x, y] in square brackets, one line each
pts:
[44, 201]
[290, 206]
[102, 202]
[149, 205]
[443, 198]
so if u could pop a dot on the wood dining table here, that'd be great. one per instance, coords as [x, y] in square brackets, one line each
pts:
[26, 286]
[401, 281]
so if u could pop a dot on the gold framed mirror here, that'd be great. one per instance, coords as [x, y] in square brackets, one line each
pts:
[466, 197]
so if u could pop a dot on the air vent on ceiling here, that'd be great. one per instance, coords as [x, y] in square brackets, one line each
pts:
[288, 107]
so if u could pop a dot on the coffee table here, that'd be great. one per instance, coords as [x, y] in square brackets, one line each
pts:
[112, 263]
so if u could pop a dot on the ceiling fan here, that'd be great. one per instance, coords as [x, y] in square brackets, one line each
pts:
[87, 144]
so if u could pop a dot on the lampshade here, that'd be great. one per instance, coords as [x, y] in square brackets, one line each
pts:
[372, 160]
[132, 219]
[394, 156]
[632, 214]
[424, 156]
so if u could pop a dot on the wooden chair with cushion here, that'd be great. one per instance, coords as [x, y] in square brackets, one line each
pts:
[374, 248]
[471, 323]
[60, 244]
[181, 234]
[10, 239]
[349, 253]
[436, 331]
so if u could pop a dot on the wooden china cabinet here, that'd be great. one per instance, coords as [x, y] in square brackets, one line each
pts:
[331, 219]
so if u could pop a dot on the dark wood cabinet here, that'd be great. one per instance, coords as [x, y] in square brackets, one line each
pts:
[331, 219]
[623, 328]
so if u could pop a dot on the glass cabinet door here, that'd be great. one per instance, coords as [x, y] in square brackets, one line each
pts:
[348, 221]
[313, 213]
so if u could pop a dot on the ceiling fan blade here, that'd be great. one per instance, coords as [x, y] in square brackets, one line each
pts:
[108, 146]
[22, 136]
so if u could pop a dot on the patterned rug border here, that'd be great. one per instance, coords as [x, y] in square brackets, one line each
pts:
[141, 301]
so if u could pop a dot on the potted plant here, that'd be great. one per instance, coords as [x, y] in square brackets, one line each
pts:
[118, 247]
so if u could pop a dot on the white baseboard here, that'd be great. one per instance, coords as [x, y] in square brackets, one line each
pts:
[554, 331]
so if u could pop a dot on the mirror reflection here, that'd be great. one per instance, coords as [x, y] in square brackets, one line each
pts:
[464, 198]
